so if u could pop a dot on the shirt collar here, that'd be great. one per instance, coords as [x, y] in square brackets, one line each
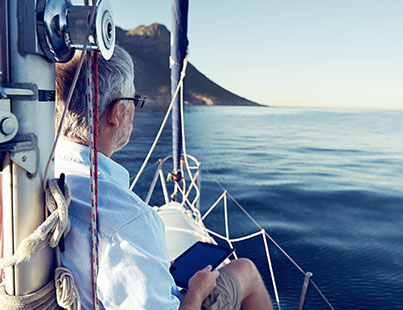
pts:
[107, 168]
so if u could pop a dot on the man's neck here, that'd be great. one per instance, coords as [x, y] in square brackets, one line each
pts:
[104, 148]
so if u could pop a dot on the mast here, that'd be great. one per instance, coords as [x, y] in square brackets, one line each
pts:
[179, 44]
[34, 34]
[29, 85]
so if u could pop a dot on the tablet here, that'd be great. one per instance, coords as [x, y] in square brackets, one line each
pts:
[197, 257]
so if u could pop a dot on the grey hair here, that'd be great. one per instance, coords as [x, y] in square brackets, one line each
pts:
[115, 78]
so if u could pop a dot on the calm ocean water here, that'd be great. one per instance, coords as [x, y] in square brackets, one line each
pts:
[326, 184]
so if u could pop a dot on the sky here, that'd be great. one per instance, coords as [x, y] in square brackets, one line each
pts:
[301, 53]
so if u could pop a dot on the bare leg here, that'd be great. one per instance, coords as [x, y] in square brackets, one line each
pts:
[254, 293]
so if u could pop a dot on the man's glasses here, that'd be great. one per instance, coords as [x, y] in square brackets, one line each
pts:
[138, 100]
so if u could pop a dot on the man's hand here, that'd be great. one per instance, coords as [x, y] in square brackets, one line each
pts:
[201, 284]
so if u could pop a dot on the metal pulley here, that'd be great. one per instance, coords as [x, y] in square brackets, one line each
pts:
[63, 27]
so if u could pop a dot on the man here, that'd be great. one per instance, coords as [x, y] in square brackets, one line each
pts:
[133, 258]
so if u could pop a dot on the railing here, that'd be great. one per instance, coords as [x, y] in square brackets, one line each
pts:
[187, 190]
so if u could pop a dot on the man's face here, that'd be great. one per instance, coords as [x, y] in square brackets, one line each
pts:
[123, 136]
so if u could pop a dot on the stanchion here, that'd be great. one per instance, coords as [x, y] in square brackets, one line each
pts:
[308, 276]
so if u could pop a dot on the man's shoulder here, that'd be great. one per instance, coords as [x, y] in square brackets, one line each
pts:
[117, 205]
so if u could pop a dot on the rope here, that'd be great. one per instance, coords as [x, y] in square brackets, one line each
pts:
[66, 291]
[67, 295]
[273, 279]
[92, 100]
[49, 232]
[265, 233]
[183, 74]
[42, 299]
[321, 294]
[258, 225]
[191, 177]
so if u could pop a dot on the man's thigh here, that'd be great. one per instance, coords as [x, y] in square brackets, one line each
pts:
[227, 294]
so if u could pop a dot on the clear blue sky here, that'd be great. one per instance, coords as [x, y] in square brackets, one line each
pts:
[317, 53]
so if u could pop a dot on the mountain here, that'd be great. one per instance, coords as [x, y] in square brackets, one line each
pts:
[150, 49]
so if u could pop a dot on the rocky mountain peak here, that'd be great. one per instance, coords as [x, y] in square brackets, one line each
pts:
[151, 31]
[150, 47]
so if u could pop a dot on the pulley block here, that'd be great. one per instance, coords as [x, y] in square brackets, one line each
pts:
[63, 27]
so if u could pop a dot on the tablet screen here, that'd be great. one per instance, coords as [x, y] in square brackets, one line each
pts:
[196, 258]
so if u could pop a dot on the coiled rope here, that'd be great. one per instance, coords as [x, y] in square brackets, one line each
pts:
[67, 295]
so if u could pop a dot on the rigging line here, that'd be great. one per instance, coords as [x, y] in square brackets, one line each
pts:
[214, 205]
[322, 295]
[70, 95]
[273, 279]
[192, 186]
[183, 73]
[259, 226]
[272, 240]
[148, 168]
[196, 212]
[192, 178]
[93, 105]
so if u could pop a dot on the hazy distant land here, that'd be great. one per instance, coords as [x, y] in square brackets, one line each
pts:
[150, 48]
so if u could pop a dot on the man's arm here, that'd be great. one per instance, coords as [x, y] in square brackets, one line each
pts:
[201, 284]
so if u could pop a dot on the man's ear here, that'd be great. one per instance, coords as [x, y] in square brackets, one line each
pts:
[114, 115]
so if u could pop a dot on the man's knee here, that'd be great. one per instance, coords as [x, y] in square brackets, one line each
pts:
[244, 266]
[246, 272]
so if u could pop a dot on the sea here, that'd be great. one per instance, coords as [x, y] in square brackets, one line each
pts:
[325, 184]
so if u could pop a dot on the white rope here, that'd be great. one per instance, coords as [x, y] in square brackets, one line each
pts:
[192, 186]
[49, 232]
[234, 239]
[57, 201]
[66, 291]
[214, 204]
[259, 226]
[185, 197]
[273, 279]
[185, 156]
[266, 234]
[36, 241]
[183, 74]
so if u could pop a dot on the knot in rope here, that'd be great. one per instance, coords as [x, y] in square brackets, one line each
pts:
[57, 202]
[49, 232]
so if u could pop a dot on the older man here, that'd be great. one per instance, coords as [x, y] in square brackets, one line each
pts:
[133, 258]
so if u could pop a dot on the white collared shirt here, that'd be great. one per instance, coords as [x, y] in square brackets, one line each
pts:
[133, 257]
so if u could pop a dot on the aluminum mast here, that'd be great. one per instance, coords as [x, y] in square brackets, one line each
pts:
[179, 44]
[33, 35]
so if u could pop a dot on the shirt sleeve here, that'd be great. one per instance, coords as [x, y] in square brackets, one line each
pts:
[134, 272]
